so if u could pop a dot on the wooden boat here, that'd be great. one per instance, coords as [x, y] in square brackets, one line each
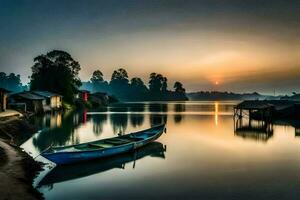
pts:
[63, 173]
[103, 148]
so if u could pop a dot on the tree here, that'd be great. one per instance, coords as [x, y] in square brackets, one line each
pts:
[120, 74]
[57, 72]
[137, 82]
[119, 83]
[10, 82]
[179, 87]
[97, 82]
[164, 84]
[156, 82]
[138, 87]
[97, 77]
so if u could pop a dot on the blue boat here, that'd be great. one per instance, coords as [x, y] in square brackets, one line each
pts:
[63, 173]
[103, 148]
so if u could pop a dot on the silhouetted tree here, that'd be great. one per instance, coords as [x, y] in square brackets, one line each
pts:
[137, 85]
[155, 82]
[10, 82]
[97, 77]
[179, 87]
[164, 84]
[135, 90]
[98, 83]
[119, 83]
[120, 75]
[56, 71]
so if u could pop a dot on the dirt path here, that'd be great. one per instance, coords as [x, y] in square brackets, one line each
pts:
[15, 183]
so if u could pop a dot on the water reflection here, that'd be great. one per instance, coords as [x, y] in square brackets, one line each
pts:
[138, 118]
[178, 109]
[155, 116]
[253, 129]
[49, 120]
[74, 171]
[59, 135]
[98, 123]
[248, 163]
[216, 113]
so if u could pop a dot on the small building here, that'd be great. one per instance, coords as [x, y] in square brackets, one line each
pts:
[99, 98]
[3, 99]
[53, 100]
[83, 95]
[33, 103]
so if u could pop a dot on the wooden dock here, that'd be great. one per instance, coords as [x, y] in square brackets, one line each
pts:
[257, 117]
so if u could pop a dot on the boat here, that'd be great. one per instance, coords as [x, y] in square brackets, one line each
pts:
[102, 148]
[64, 173]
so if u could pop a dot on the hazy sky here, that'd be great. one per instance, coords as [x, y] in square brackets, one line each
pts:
[245, 45]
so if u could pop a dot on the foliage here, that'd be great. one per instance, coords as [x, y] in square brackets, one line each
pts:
[135, 89]
[11, 82]
[179, 87]
[119, 83]
[98, 83]
[57, 72]
[97, 77]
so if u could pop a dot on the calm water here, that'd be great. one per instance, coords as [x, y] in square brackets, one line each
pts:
[200, 156]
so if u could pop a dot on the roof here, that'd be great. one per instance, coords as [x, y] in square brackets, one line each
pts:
[4, 90]
[254, 105]
[45, 94]
[29, 95]
[276, 104]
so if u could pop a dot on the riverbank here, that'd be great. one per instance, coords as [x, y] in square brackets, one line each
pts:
[17, 169]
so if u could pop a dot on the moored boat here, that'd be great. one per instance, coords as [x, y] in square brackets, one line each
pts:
[63, 173]
[103, 148]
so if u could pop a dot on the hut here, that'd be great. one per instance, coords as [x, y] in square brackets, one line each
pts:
[53, 100]
[255, 109]
[33, 103]
[3, 99]
[83, 95]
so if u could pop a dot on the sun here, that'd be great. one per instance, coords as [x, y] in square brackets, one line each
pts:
[217, 83]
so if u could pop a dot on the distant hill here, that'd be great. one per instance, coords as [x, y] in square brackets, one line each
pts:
[294, 97]
[216, 95]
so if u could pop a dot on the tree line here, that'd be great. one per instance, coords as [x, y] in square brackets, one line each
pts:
[11, 82]
[135, 89]
[56, 71]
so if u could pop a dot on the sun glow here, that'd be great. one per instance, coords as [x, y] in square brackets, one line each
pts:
[216, 113]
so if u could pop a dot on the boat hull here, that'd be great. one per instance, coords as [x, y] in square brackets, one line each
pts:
[62, 158]
[83, 169]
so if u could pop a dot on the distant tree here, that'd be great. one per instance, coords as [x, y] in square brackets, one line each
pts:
[120, 75]
[164, 84]
[119, 83]
[10, 82]
[156, 82]
[179, 87]
[137, 82]
[138, 87]
[97, 77]
[98, 84]
[57, 72]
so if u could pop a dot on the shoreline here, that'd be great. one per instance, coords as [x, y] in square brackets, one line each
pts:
[17, 168]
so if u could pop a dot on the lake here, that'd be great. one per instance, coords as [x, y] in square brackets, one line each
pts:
[200, 157]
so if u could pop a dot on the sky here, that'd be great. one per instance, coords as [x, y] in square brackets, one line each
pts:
[225, 45]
